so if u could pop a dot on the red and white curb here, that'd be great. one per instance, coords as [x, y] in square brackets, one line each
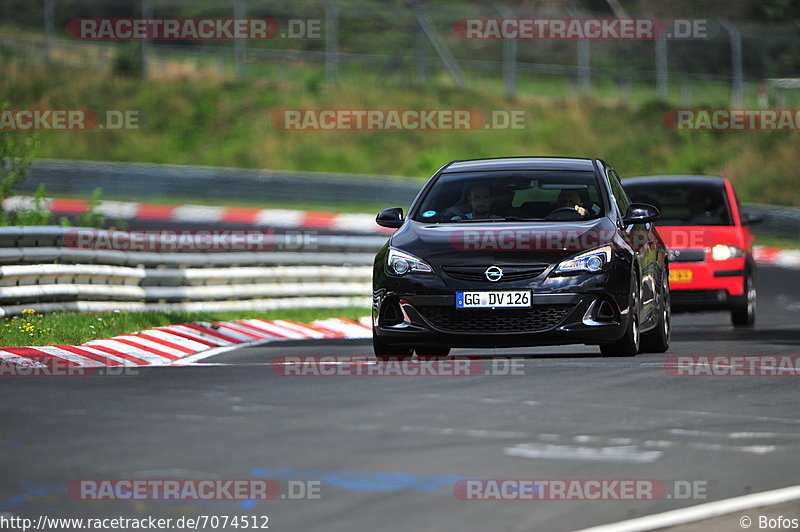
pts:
[279, 218]
[787, 258]
[180, 344]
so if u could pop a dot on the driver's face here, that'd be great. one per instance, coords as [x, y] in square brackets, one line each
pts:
[568, 199]
[480, 199]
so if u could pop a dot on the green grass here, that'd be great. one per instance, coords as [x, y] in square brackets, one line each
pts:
[72, 328]
[216, 122]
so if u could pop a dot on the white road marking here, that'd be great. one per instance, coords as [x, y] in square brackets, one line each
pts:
[701, 512]
[625, 453]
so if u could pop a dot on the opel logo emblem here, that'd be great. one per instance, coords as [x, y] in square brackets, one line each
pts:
[673, 254]
[493, 273]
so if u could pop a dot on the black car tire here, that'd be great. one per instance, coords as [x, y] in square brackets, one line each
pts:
[657, 339]
[628, 345]
[386, 351]
[743, 311]
[432, 351]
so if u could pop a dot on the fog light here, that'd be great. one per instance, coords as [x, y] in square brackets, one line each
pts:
[721, 296]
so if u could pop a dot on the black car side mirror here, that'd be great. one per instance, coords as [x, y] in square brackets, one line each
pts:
[392, 218]
[640, 213]
[751, 218]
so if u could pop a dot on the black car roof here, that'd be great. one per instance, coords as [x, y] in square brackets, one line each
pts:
[522, 163]
[675, 180]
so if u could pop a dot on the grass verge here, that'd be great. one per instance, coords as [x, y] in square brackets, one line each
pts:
[73, 328]
[225, 123]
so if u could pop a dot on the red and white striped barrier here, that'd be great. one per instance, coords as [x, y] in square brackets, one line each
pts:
[171, 345]
[277, 218]
[787, 258]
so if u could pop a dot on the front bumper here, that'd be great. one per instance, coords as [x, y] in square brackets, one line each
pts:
[553, 319]
[714, 285]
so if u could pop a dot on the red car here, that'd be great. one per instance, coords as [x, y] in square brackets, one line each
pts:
[709, 242]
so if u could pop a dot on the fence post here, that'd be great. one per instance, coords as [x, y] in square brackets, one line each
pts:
[624, 90]
[239, 50]
[147, 44]
[662, 72]
[686, 93]
[448, 60]
[584, 60]
[421, 63]
[509, 58]
[584, 66]
[49, 15]
[737, 81]
[331, 42]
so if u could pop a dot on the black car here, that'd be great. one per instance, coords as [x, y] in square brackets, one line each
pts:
[521, 251]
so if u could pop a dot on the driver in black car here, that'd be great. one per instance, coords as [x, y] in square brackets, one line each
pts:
[569, 198]
[480, 204]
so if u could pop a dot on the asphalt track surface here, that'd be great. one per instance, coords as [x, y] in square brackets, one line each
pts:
[387, 450]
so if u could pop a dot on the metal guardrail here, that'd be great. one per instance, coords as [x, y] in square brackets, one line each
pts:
[143, 180]
[38, 269]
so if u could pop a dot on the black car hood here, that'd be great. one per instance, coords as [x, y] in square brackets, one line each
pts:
[502, 243]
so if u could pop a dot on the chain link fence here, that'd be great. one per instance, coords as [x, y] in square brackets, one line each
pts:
[324, 42]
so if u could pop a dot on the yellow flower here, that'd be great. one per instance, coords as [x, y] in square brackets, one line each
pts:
[28, 311]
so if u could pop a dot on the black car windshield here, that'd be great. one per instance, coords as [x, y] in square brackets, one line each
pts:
[512, 196]
[683, 204]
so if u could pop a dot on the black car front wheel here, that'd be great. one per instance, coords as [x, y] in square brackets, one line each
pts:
[385, 351]
[628, 345]
[657, 339]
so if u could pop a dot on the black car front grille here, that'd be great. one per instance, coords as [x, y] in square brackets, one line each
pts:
[510, 273]
[538, 318]
[687, 255]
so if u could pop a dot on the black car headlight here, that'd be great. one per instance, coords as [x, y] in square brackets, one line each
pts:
[401, 263]
[590, 261]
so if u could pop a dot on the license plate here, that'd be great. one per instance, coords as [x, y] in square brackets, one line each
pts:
[496, 299]
[680, 276]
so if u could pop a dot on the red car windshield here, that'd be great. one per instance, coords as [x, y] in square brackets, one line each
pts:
[682, 204]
